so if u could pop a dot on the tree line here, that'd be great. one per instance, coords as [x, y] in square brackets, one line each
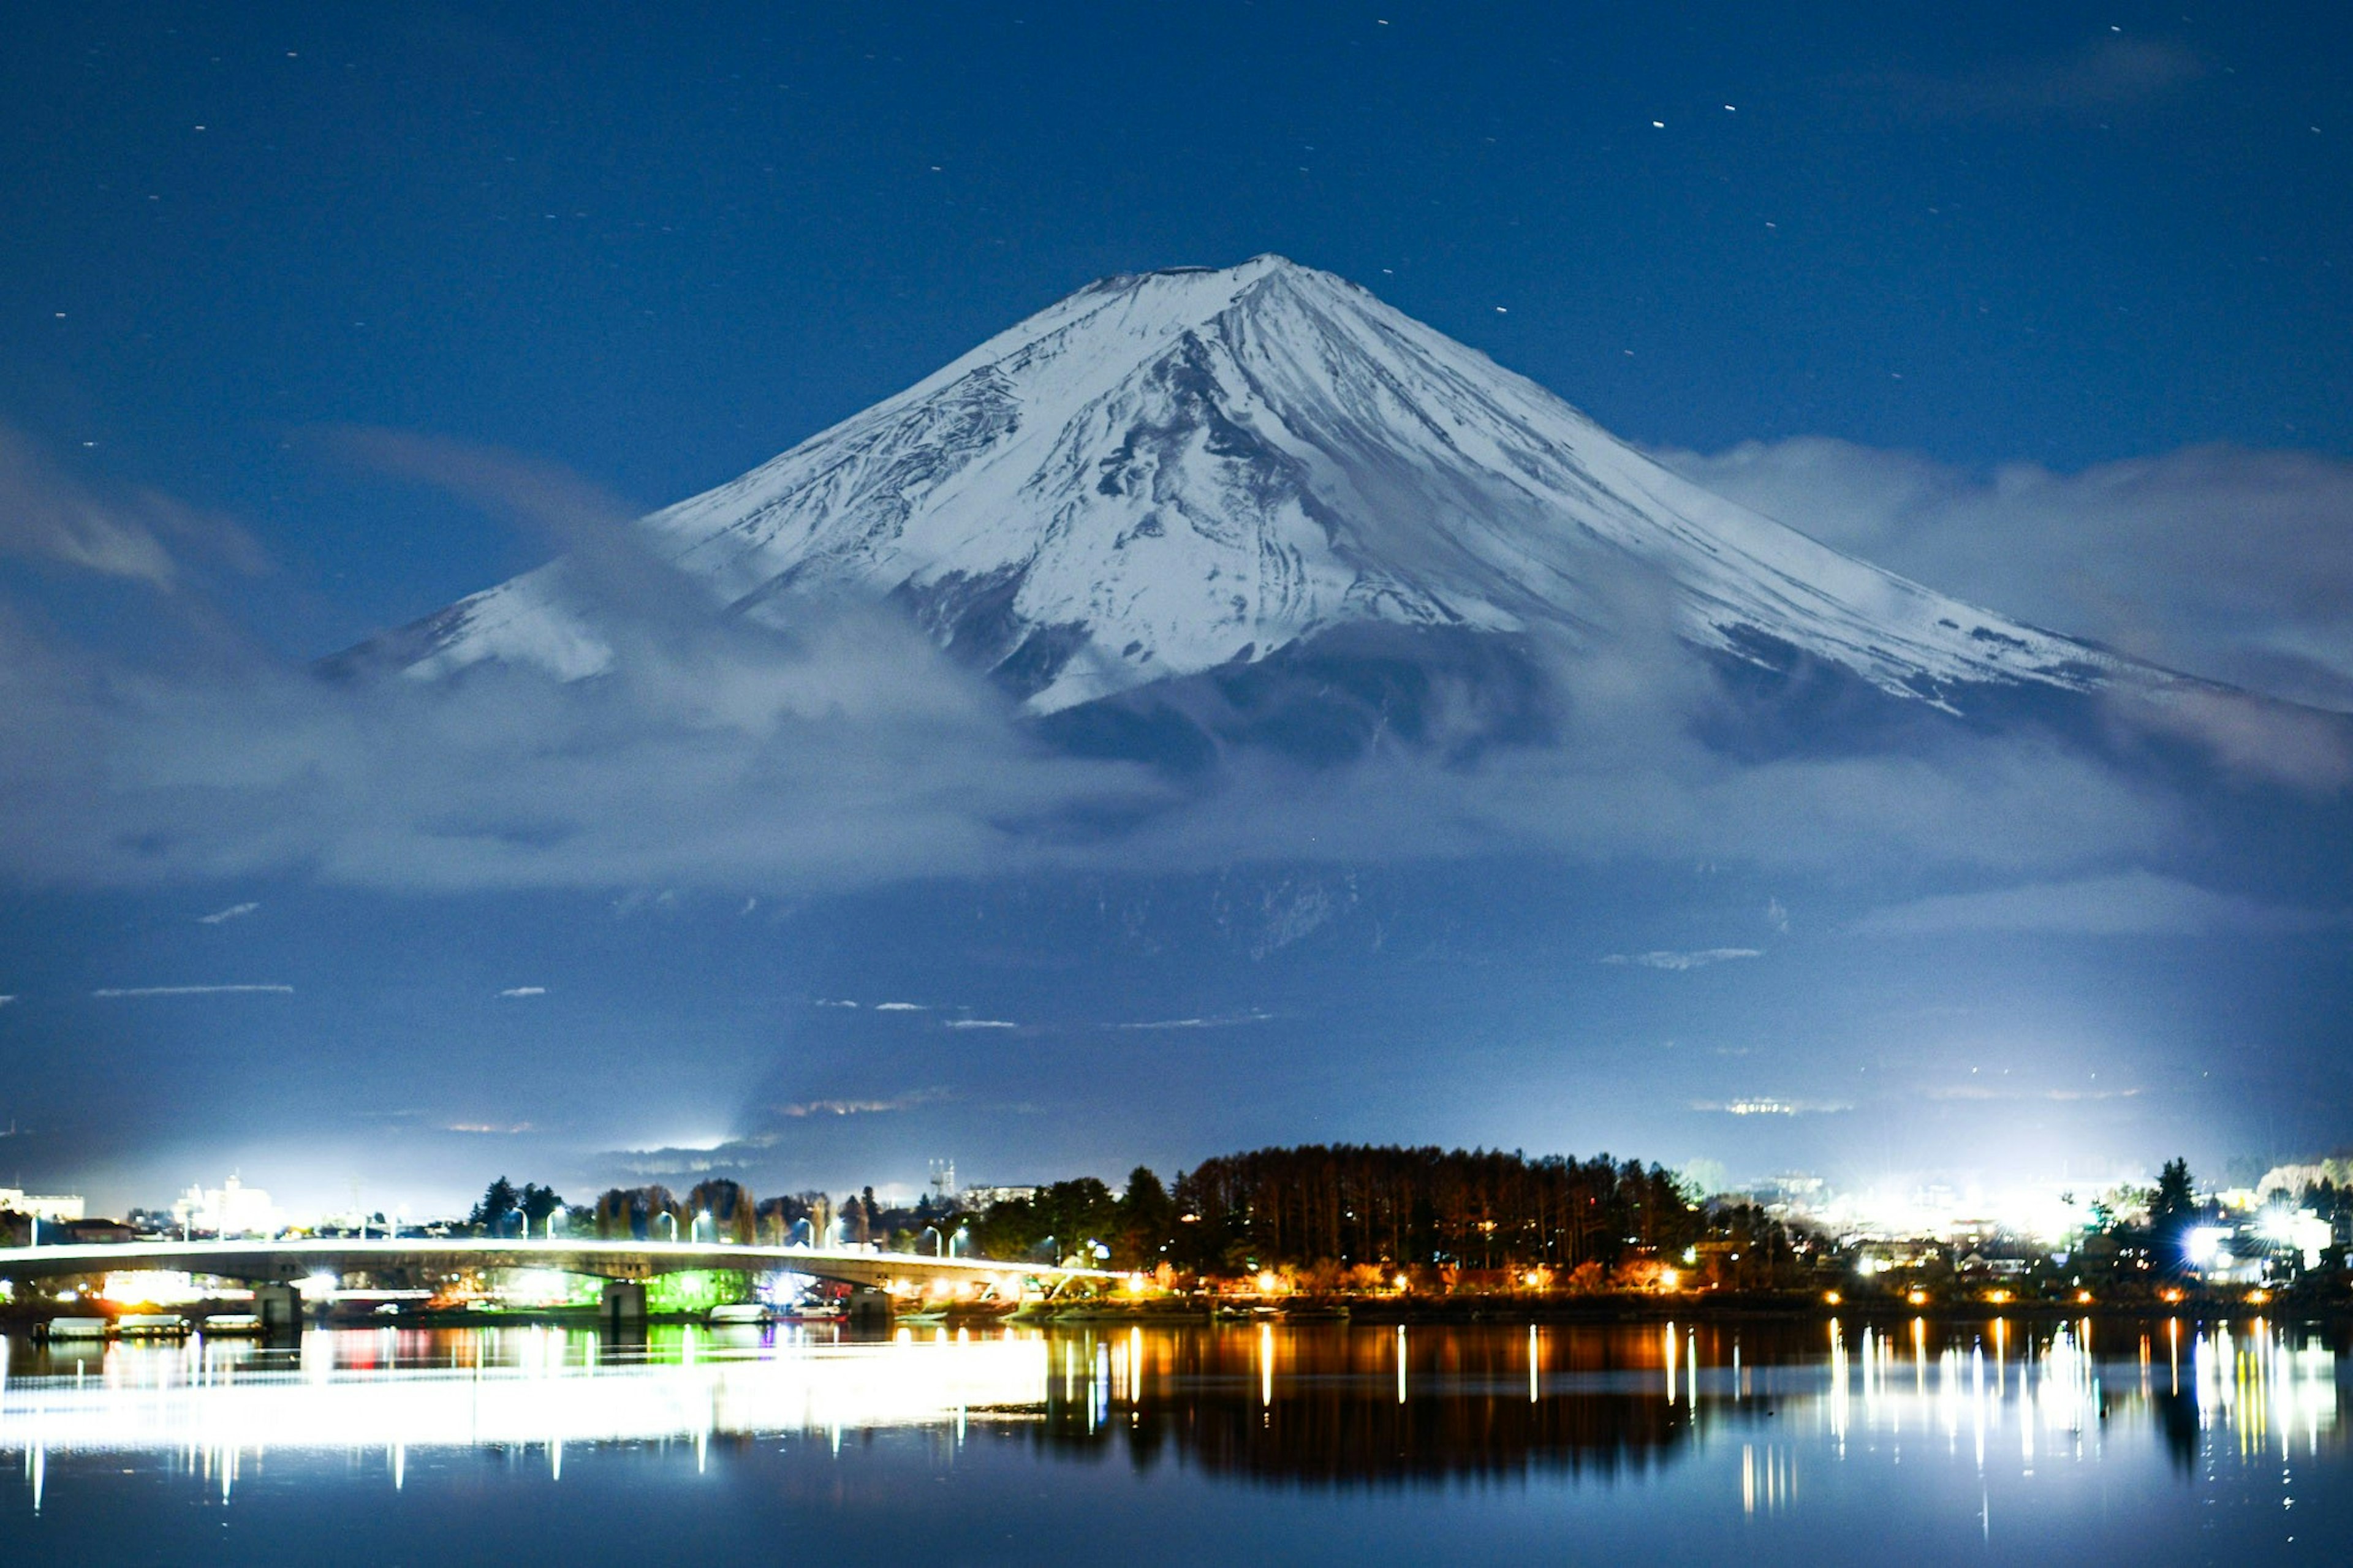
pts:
[1379, 1209]
[1331, 1208]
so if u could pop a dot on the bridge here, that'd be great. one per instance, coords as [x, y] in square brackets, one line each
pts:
[274, 1267]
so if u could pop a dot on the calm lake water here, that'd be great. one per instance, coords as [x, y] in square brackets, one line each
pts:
[2140, 1443]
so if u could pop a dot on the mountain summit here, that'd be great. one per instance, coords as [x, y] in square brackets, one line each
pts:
[1170, 472]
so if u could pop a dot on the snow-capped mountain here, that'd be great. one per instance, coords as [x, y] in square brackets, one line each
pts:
[1176, 471]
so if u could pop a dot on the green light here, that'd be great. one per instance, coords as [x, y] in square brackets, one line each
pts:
[697, 1289]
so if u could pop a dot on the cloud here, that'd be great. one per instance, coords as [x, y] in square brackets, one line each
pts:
[221, 917]
[1973, 1093]
[2113, 73]
[113, 991]
[981, 1024]
[524, 991]
[1760, 1105]
[901, 1007]
[47, 517]
[1223, 1021]
[846, 752]
[803, 1109]
[2219, 561]
[1679, 961]
[2250, 737]
[6, 1000]
[2131, 903]
[488, 1129]
[824, 1001]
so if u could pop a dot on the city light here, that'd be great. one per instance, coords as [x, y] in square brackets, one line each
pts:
[154, 1287]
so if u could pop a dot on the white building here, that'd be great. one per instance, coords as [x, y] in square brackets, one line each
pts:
[230, 1209]
[51, 1209]
[975, 1199]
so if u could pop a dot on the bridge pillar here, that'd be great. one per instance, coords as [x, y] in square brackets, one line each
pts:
[278, 1306]
[624, 1304]
[868, 1308]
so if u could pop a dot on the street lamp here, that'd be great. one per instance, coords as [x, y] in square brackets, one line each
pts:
[673, 1225]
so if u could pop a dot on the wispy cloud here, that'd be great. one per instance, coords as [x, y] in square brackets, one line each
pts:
[489, 1128]
[136, 534]
[1219, 1021]
[222, 916]
[2127, 904]
[1699, 959]
[524, 991]
[816, 1107]
[6, 1000]
[981, 1024]
[901, 1007]
[1978, 1092]
[718, 752]
[829, 1002]
[194, 990]
[2113, 73]
[1768, 1106]
[2219, 561]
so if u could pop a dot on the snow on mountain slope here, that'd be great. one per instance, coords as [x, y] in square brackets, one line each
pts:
[1169, 472]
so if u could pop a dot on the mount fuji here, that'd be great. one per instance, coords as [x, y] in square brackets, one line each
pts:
[1175, 473]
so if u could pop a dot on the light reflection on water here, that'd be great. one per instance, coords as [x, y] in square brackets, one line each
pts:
[1766, 1423]
[214, 1402]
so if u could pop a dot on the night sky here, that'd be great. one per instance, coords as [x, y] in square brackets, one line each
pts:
[2049, 307]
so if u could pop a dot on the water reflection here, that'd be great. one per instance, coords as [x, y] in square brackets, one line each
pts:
[211, 1406]
[1325, 1408]
[1340, 1407]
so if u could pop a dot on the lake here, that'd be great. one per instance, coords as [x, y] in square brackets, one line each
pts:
[2007, 1441]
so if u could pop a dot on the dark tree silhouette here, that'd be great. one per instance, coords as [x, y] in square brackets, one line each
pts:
[497, 1208]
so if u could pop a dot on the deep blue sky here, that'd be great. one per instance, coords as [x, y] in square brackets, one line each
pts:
[652, 246]
[656, 245]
